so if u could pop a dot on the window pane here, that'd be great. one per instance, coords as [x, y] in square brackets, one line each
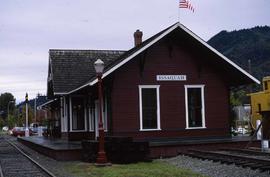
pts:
[91, 116]
[77, 114]
[194, 107]
[149, 108]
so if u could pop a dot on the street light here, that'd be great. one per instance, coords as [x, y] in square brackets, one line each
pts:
[101, 158]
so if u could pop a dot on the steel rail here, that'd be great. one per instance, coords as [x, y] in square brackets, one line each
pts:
[31, 159]
[239, 160]
[1, 172]
[246, 151]
[234, 156]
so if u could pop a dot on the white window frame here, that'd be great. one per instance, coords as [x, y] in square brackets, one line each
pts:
[203, 105]
[105, 114]
[70, 117]
[158, 106]
[91, 115]
[63, 114]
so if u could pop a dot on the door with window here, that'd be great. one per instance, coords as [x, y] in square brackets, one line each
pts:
[78, 114]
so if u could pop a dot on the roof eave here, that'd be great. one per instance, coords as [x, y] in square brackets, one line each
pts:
[219, 54]
[106, 73]
[46, 103]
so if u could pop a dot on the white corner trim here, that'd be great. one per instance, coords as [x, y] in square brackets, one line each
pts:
[203, 105]
[158, 107]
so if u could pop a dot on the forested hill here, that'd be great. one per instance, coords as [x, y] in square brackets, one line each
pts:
[246, 44]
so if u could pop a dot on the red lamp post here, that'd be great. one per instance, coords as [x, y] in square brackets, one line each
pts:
[101, 158]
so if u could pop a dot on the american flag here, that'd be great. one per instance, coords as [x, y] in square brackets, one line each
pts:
[186, 4]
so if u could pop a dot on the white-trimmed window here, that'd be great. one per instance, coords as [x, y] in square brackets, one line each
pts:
[195, 110]
[149, 107]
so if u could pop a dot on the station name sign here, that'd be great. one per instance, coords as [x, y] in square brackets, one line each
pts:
[171, 77]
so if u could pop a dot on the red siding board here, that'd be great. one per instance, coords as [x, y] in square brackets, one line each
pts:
[125, 94]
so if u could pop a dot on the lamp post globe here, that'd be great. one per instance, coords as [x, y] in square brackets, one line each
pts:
[101, 156]
[99, 66]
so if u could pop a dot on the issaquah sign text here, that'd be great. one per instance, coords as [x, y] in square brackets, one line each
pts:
[171, 77]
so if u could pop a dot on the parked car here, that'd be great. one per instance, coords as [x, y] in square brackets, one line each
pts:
[33, 129]
[234, 132]
[241, 130]
[20, 131]
[5, 129]
[34, 125]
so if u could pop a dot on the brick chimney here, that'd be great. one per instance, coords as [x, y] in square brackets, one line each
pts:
[138, 37]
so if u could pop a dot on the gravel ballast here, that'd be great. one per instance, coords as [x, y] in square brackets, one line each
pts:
[213, 169]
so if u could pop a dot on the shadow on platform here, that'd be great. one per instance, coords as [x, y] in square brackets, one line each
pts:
[57, 149]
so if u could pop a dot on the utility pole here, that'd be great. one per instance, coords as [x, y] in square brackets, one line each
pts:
[35, 111]
[249, 70]
[26, 116]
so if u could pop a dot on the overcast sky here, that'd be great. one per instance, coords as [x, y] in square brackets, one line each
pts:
[29, 28]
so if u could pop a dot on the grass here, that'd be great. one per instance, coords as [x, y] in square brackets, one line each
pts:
[2, 133]
[150, 169]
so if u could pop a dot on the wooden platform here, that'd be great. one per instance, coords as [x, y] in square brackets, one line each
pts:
[55, 148]
[72, 150]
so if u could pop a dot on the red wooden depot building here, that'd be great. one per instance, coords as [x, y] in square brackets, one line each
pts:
[172, 85]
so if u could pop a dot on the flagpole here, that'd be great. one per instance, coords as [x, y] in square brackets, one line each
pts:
[178, 15]
[178, 12]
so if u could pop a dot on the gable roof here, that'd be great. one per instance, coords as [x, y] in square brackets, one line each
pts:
[70, 69]
[120, 58]
[132, 53]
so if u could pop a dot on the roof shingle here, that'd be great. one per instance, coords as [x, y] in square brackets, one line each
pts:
[72, 68]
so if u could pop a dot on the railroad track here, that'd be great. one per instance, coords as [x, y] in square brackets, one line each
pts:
[15, 163]
[240, 157]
